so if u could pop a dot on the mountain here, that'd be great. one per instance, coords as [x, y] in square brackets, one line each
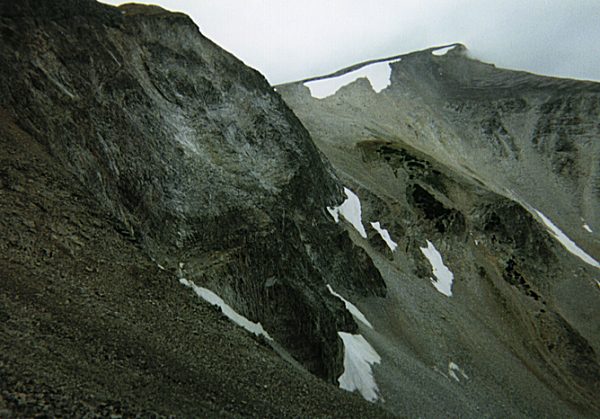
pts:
[487, 181]
[180, 238]
[138, 158]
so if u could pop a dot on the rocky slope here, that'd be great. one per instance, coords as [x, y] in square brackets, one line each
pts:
[137, 153]
[478, 161]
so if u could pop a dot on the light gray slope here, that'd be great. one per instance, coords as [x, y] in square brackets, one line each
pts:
[533, 134]
[449, 152]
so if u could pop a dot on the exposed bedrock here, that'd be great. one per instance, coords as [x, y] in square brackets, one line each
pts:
[192, 158]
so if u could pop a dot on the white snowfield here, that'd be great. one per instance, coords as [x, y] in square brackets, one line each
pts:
[350, 210]
[378, 75]
[442, 51]
[351, 308]
[359, 356]
[567, 243]
[444, 277]
[235, 317]
[587, 228]
[385, 235]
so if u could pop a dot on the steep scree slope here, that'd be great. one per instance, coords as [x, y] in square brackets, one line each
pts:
[461, 154]
[137, 152]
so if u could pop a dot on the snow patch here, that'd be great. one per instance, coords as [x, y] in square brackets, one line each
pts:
[587, 228]
[335, 213]
[235, 317]
[442, 51]
[444, 276]
[350, 210]
[359, 356]
[378, 75]
[385, 235]
[351, 308]
[454, 370]
[567, 243]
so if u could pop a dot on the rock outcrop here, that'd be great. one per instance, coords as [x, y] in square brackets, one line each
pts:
[137, 152]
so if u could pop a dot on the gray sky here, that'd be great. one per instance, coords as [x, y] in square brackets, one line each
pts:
[288, 40]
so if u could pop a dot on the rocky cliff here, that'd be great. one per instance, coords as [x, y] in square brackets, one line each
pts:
[137, 155]
[495, 171]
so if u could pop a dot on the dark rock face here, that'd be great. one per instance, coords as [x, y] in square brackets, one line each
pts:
[185, 155]
[459, 153]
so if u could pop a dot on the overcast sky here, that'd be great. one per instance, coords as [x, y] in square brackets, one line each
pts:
[289, 40]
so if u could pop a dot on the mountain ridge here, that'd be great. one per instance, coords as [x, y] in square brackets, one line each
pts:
[460, 48]
[464, 155]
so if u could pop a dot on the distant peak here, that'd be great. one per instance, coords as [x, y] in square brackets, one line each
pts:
[455, 49]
